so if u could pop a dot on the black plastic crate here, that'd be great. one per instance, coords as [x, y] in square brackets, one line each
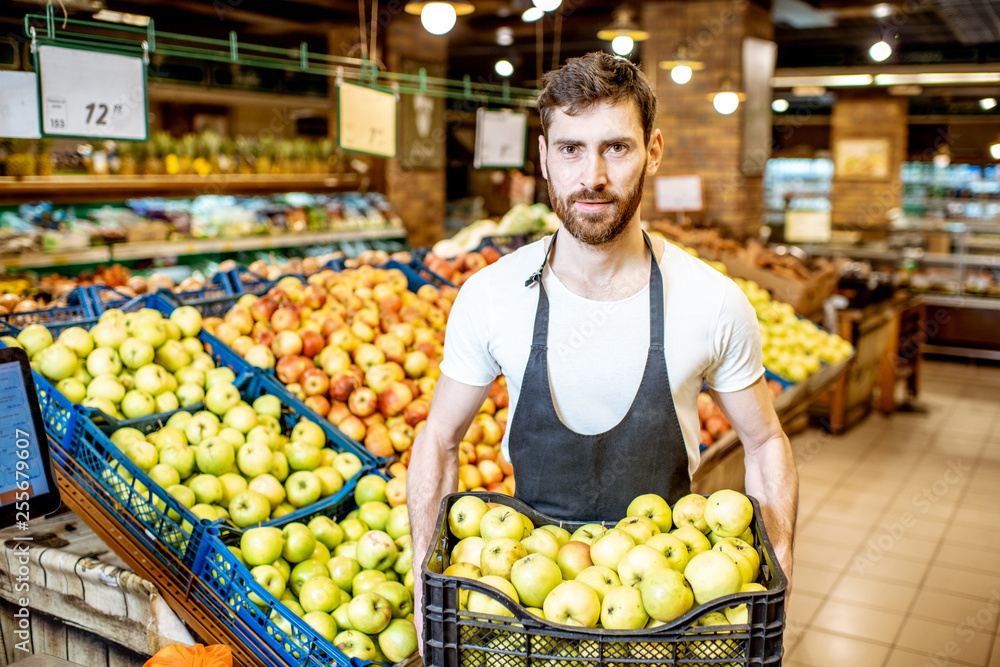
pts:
[454, 637]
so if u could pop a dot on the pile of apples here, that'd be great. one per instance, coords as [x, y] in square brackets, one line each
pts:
[793, 347]
[129, 365]
[352, 582]
[651, 568]
[233, 461]
[460, 269]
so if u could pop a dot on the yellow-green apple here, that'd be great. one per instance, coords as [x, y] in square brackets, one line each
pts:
[542, 542]
[106, 334]
[184, 496]
[248, 508]
[215, 456]
[57, 362]
[189, 394]
[481, 603]
[640, 562]
[165, 475]
[319, 593]
[376, 551]
[715, 648]
[268, 486]
[469, 550]
[374, 514]
[279, 467]
[728, 513]
[501, 521]
[690, 511]
[573, 603]
[666, 595]
[72, 389]
[465, 515]
[202, 426]
[622, 609]
[253, 459]
[330, 481]
[343, 570]
[369, 613]
[587, 533]
[369, 488]
[240, 417]
[573, 558]
[347, 464]
[600, 578]
[260, 356]
[672, 547]
[397, 596]
[353, 529]
[302, 488]
[207, 488]
[167, 402]
[222, 375]
[106, 386]
[188, 319]
[172, 356]
[355, 644]
[712, 574]
[654, 508]
[327, 532]
[366, 580]
[322, 623]
[221, 397]
[404, 561]
[272, 581]
[499, 555]
[302, 456]
[261, 546]
[534, 577]
[299, 542]
[137, 404]
[398, 640]
[143, 454]
[124, 436]
[639, 527]
[268, 404]
[739, 615]
[611, 547]
[398, 523]
[78, 340]
[562, 535]
[693, 539]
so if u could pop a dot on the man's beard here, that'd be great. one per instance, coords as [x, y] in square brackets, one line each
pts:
[598, 229]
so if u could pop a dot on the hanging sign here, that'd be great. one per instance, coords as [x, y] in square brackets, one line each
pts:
[367, 120]
[678, 193]
[91, 94]
[19, 105]
[500, 139]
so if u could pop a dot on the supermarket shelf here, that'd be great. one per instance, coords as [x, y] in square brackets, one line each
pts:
[98, 188]
[961, 301]
[928, 258]
[153, 249]
[967, 352]
[37, 260]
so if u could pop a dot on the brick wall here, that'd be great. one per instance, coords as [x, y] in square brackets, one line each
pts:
[697, 139]
[418, 195]
[864, 203]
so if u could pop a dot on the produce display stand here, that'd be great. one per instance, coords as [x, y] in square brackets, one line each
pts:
[721, 464]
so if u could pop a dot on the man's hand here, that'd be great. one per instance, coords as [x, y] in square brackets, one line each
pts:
[771, 476]
[433, 471]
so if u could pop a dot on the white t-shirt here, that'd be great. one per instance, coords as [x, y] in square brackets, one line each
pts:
[597, 349]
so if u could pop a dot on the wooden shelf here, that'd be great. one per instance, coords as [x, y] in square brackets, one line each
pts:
[62, 189]
[37, 260]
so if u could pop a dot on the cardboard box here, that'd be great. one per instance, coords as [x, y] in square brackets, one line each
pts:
[147, 231]
[805, 295]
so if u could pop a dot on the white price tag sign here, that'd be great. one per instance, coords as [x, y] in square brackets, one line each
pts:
[19, 105]
[92, 94]
[367, 120]
[678, 193]
[500, 138]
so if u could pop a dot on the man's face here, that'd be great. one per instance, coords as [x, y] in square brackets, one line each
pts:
[595, 164]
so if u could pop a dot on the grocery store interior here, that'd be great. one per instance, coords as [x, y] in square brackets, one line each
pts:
[231, 234]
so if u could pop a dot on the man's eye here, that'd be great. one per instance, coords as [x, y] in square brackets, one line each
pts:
[618, 148]
[569, 150]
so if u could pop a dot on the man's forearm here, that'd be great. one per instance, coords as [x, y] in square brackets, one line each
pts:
[432, 474]
[772, 479]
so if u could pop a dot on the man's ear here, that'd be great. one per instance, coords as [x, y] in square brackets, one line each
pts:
[655, 152]
[542, 150]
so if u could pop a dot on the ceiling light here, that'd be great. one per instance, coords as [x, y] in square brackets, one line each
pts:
[623, 25]
[547, 5]
[987, 103]
[779, 105]
[438, 18]
[726, 100]
[503, 68]
[532, 14]
[936, 78]
[505, 36]
[622, 45]
[681, 68]
[882, 10]
[119, 17]
[832, 80]
[879, 51]
[995, 150]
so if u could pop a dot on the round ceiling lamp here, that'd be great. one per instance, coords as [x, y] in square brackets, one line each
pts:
[779, 105]
[532, 14]
[438, 18]
[727, 99]
[879, 51]
[504, 68]
[623, 25]
[622, 45]
[682, 67]
[547, 5]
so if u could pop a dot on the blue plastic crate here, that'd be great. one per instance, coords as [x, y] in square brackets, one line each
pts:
[91, 450]
[224, 584]
[74, 307]
[423, 273]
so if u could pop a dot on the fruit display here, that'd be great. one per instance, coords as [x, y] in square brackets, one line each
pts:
[19, 294]
[128, 365]
[713, 423]
[651, 568]
[535, 219]
[350, 581]
[233, 460]
[461, 268]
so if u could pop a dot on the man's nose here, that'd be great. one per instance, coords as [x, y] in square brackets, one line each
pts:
[595, 173]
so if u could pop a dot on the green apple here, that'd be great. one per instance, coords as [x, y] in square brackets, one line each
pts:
[366, 580]
[203, 362]
[268, 405]
[654, 508]
[136, 353]
[165, 475]
[586, 533]
[398, 523]
[600, 578]
[106, 386]
[374, 514]
[693, 539]
[347, 464]
[58, 362]
[123, 436]
[377, 551]
[330, 480]
[690, 511]
[398, 597]
[270, 487]
[72, 389]
[571, 603]
[254, 459]
[499, 522]
[268, 577]
[180, 420]
[534, 577]
[190, 375]
[143, 454]
[712, 574]
[138, 404]
[353, 529]
[279, 468]
[303, 572]
[622, 609]
[232, 484]
[180, 457]
[610, 548]
[207, 488]
[340, 615]
[639, 563]
[167, 402]
[327, 532]
[728, 513]
[232, 436]
[214, 376]
[152, 379]
[189, 394]
[302, 488]
[183, 495]
[34, 338]
[108, 334]
[299, 542]
[404, 561]
[78, 340]
[240, 417]
[151, 330]
[672, 548]
[562, 535]
[323, 623]
[666, 595]
[188, 319]
[343, 570]
[302, 456]
[639, 527]
[319, 593]
[102, 404]
[398, 640]
[369, 612]
[310, 433]
[168, 435]
[215, 456]
[261, 546]
[355, 644]
[264, 434]
[221, 397]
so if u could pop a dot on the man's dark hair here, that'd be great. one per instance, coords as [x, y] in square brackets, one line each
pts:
[596, 77]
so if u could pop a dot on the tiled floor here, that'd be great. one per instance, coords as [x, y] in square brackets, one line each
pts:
[897, 554]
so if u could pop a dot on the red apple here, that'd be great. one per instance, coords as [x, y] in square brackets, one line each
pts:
[312, 343]
[374, 419]
[314, 297]
[392, 347]
[474, 434]
[377, 441]
[286, 343]
[344, 339]
[416, 412]
[226, 332]
[279, 295]
[485, 453]
[353, 428]
[342, 384]
[263, 308]
[401, 435]
[394, 399]
[315, 382]
[490, 472]
[263, 337]
[338, 412]
[362, 401]
[392, 303]
[290, 368]
[319, 403]
[286, 318]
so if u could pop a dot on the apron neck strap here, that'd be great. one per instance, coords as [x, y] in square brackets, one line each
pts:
[536, 277]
